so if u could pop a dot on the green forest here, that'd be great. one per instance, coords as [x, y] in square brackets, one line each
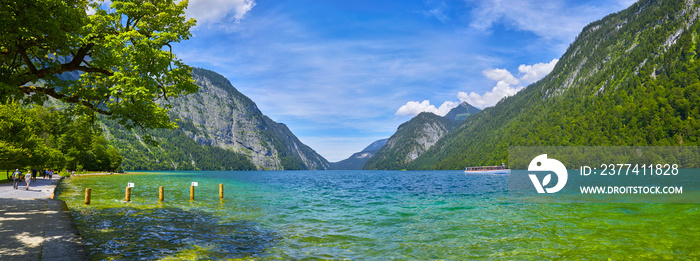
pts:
[39, 137]
[393, 155]
[111, 63]
[175, 151]
[630, 79]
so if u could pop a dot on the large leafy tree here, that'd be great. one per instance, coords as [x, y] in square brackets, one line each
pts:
[21, 142]
[41, 137]
[122, 54]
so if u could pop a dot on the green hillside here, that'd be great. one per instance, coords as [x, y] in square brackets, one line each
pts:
[416, 136]
[411, 140]
[631, 78]
[175, 151]
[461, 112]
[219, 129]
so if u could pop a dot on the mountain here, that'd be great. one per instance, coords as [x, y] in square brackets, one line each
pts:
[416, 136]
[461, 112]
[410, 140]
[357, 160]
[631, 78]
[219, 128]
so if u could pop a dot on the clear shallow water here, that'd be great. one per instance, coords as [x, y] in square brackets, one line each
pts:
[363, 215]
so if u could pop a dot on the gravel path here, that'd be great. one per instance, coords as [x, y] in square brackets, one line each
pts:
[35, 227]
[41, 188]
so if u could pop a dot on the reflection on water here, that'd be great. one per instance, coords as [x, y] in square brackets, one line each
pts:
[363, 215]
[128, 233]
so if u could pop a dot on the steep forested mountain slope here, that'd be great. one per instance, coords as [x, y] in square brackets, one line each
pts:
[461, 112]
[631, 78]
[220, 128]
[410, 140]
[416, 136]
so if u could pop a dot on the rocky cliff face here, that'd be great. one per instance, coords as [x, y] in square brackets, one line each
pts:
[219, 129]
[415, 137]
[218, 115]
[411, 140]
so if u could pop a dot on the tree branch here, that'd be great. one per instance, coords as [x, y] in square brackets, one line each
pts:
[71, 99]
[80, 55]
[28, 61]
[95, 70]
[73, 65]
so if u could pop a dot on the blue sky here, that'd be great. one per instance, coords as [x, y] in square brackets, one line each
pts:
[344, 73]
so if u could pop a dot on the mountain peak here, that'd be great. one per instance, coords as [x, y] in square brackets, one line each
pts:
[461, 112]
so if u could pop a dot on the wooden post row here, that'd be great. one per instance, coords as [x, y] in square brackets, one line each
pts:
[161, 193]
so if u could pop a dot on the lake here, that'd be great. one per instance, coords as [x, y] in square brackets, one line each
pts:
[362, 215]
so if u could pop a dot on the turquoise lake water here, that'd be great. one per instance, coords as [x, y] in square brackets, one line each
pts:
[363, 215]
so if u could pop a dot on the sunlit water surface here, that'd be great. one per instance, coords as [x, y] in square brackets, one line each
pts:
[363, 215]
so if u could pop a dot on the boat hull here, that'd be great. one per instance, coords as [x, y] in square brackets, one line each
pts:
[495, 171]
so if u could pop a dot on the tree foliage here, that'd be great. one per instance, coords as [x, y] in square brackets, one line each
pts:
[122, 53]
[20, 143]
[40, 137]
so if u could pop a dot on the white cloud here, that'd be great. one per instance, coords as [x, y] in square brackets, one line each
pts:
[414, 108]
[507, 84]
[489, 98]
[558, 20]
[213, 11]
[501, 75]
[532, 73]
[438, 12]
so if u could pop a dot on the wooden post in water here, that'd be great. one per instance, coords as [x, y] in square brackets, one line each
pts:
[87, 196]
[160, 193]
[128, 194]
[191, 192]
[221, 191]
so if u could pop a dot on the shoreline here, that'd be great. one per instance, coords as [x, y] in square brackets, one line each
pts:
[109, 174]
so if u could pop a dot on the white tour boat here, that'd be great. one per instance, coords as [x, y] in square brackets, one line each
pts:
[503, 169]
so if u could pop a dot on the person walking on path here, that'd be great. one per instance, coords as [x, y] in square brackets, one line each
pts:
[16, 177]
[28, 178]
